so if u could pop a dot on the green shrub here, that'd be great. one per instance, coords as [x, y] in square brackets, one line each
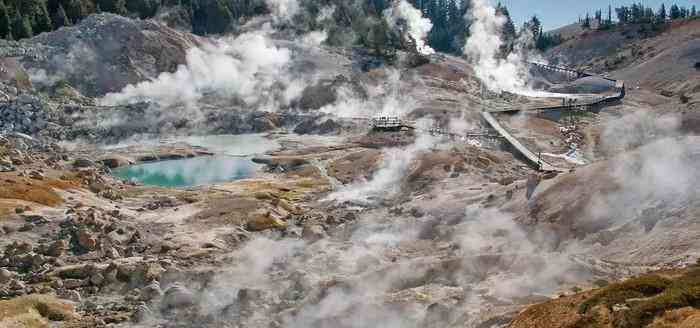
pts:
[616, 293]
[600, 283]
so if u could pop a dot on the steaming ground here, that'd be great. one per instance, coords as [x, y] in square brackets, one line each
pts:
[341, 226]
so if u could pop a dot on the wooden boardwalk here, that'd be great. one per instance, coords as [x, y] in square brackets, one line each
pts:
[529, 155]
[533, 158]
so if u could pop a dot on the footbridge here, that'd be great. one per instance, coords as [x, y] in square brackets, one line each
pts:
[393, 123]
[536, 159]
[572, 73]
[517, 145]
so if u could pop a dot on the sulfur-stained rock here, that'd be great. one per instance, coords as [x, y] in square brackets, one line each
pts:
[266, 221]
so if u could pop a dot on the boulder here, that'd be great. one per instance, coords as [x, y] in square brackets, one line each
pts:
[115, 161]
[152, 291]
[329, 127]
[437, 315]
[312, 126]
[5, 275]
[312, 233]
[177, 297]
[83, 163]
[36, 175]
[266, 221]
[142, 313]
[71, 295]
[87, 240]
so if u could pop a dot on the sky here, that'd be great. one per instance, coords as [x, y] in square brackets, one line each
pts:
[557, 13]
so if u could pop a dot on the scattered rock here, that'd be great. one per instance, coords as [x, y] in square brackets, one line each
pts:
[5, 275]
[87, 240]
[151, 291]
[437, 315]
[16, 284]
[313, 233]
[36, 175]
[266, 221]
[177, 297]
[115, 161]
[27, 227]
[83, 163]
[71, 295]
[506, 181]
[142, 313]
[416, 212]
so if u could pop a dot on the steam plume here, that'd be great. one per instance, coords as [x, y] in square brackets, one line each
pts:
[282, 10]
[237, 67]
[418, 26]
[387, 180]
[483, 47]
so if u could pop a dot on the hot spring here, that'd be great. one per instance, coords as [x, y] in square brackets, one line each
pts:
[232, 161]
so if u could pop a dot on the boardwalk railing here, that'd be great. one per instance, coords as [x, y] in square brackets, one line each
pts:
[517, 145]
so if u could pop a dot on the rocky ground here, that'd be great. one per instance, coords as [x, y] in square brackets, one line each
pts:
[341, 226]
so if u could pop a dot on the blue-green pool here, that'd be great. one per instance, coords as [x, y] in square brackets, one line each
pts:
[189, 172]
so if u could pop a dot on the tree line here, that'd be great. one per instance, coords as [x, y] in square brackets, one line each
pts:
[639, 14]
[361, 18]
[25, 18]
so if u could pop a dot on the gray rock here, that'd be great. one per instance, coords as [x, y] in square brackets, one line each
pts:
[16, 284]
[151, 291]
[83, 163]
[142, 313]
[57, 248]
[177, 296]
[313, 233]
[74, 283]
[71, 295]
[5, 275]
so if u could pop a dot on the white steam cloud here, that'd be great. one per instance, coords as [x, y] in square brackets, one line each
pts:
[417, 26]
[386, 99]
[386, 182]
[483, 48]
[240, 67]
[283, 10]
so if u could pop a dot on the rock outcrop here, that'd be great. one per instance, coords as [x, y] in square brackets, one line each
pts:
[104, 53]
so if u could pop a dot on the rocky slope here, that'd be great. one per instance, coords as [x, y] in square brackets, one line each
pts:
[102, 54]
[340, 226]
[635, 207]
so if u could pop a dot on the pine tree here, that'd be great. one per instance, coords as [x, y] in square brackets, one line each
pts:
[21, 27]
[199, 18]
[535, 27]
[508, 27]
[113, 6]
[623, 14]
[75, 11]
[693, 12]
[62, 18]
[508, 32]
[675, 12]
[587, 22]
[661, 15]
[219, 17]
[42, 19]
[5, 22]
[145, 8]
